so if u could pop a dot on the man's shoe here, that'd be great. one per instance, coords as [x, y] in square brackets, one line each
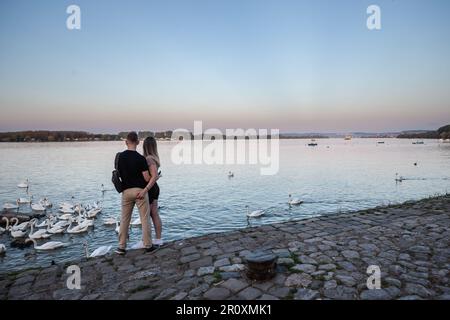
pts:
[120, 251]
[151, 249]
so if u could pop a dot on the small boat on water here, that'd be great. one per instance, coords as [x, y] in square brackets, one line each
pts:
[313, 143]
[348, 137]
[418, 142]
[380, 142]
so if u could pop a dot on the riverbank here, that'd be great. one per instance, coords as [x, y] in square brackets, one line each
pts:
[319, 258]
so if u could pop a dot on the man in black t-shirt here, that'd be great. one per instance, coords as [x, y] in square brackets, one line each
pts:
[134, 174]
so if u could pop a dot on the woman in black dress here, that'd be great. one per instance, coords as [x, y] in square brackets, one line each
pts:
[151, 154]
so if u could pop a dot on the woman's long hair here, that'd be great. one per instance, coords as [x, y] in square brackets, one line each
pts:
[151, 149]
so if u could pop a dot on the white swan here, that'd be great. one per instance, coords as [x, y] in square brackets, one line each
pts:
[23, 226]
[67, 210]
[37, 207]
[66, 216]
[78, 209]
[24, 200]
[2, 248]
[76, 229]
[10, 206]
[138, 245]
[23, 185]
[62, 223]
[84, 222]
[55, 229]
[44, 223]
[18, 234]
[66, 205]
[69, 205]
[294, 201]
[51, 245]
[100, 251]
[109, 221]
[254, 214]
[45, 203]
[39, 234]
[136, 222]
[93, 212]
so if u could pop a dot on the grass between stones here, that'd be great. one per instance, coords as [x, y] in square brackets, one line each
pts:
[295, 258]
[217, 277]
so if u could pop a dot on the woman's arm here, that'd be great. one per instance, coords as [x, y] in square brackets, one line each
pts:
[153, 176]
[151, 182]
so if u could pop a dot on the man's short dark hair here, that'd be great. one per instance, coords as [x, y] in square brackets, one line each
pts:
[133, 137]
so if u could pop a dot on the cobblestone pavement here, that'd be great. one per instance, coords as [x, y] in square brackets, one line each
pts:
[319, 258]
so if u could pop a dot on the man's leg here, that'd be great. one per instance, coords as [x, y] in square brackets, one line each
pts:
[128, 200]
[144, 213]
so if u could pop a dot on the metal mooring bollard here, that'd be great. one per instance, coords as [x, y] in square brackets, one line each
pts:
[261, 265]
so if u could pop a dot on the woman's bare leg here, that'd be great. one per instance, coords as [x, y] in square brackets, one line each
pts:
[156, 218]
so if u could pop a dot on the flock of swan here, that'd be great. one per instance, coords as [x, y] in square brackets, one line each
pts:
[70, 218]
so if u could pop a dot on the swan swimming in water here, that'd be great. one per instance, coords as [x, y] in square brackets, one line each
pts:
[23, 185]
[93, 212]
[45, 223]
[109, 221]
[51, 245]
[294, 201]
[39, 234]
[37, 207]
[18, 234]
[24, 200]
[85, 222]
[22, 227]
[45, 203]
[66, 216]
[2, 230]
[100, 251]
[11, 206]
[254, 214]
[62, 223]
[136, 222]
[55, 229]
[76, 229]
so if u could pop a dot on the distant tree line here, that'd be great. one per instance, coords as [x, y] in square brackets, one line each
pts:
[441, 133]
[60, 136]
[54, 136]
[145, 134]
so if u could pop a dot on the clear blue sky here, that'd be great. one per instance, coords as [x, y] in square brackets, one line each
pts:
[294, 65]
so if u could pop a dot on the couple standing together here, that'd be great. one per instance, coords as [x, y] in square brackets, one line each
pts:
[139, 175]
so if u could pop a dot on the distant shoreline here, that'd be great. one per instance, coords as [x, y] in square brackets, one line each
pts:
[82, 136]
[162, 139]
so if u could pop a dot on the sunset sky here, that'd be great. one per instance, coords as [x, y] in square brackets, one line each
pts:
[299, 66]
